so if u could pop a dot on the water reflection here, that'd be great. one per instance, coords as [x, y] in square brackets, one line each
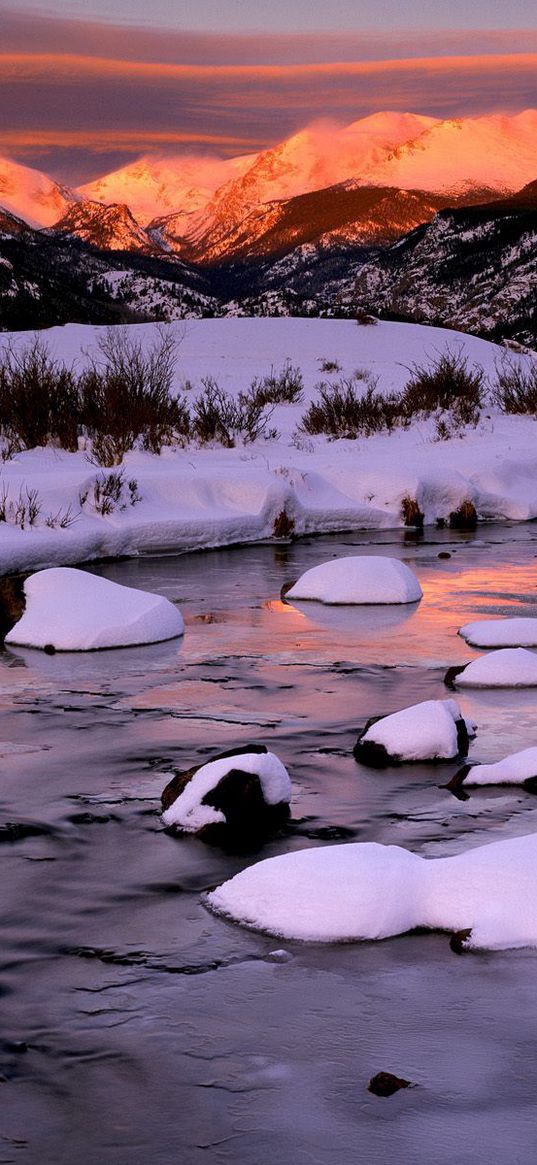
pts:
[109, 666]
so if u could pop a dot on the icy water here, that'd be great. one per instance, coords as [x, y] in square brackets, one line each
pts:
[137, 1027]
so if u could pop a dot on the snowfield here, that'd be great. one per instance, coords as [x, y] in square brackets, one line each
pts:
[71, 610]
[370, 891]
[210, 496]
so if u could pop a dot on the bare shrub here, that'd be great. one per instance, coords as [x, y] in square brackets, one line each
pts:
[284, 526]
[465, 518]
[329, 366]
[110, 492]
[39, 399]
[127, 396]
[284, 387]
[411, 513]
[448, 385]
[341, 411]
[516, 388]
[217, 416]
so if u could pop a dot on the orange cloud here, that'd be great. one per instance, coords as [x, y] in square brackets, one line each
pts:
[51, 66]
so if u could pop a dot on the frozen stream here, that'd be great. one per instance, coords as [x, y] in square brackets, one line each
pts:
[140, 1030]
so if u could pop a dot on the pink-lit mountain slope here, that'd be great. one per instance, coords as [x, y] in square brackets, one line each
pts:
[32, 195]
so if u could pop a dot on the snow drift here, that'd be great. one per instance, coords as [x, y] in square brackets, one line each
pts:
[366, 579]
[70, 610]
[370, 891]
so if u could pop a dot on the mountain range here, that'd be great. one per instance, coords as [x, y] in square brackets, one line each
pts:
[332, 218]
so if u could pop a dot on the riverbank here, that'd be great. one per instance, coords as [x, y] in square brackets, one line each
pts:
[196, 497]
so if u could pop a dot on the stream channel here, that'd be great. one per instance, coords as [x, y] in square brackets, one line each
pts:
[138, 1029]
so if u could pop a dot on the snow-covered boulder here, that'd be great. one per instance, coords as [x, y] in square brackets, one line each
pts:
[516, 632]
[510, 667]
[367, 578]
[242, 794]
[486, 896]
[519, 768]
[434, 730]
[72, 610]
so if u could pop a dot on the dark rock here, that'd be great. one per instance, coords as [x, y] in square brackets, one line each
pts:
[452, 673]
[49, 649]
[175, 787]
[455, 785]
[12, 602]
[411, 513]
[530, 784]
[286, 587]
[458, 940]
[386, 1084]
[284, 526]
[444, 554]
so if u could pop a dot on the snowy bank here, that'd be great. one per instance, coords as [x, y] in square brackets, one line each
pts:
[515, 632]
[359, 891]
[71, 610]
[222, 793]
[509, 667]
[195, 497]
[365, 579]
[431, 731]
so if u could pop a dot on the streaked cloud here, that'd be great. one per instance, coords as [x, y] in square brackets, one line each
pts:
[78, 98]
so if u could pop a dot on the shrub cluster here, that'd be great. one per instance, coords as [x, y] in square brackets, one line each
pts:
[123, 399]
[516, 388]
[447, 389]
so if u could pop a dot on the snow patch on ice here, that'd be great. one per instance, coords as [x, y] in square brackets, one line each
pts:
[515, 632]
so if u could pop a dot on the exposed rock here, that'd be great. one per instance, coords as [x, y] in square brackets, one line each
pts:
[12, 602]
[386, 1084]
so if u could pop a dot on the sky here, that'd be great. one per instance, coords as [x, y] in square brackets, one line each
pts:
[86, 86]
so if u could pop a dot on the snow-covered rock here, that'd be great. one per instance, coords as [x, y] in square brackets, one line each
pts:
[247, 791]
[515, 632]
[434, 730]
[509, 667]
[519, 768]
[71, 610]
[370, 891]
[358, 579]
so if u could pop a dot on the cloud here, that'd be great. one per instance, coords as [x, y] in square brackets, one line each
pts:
[75, 91]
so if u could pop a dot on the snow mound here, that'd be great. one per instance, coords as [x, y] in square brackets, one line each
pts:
[433, 730]
[371, 891]
[358, 579]
[517, 632]
[515, 769]
[190, 814]
[510, 667]
[72, 610]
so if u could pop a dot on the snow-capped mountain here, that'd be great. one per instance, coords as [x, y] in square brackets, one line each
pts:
[32, 195]
[153, 187]
[405, 150]
[108, 228]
